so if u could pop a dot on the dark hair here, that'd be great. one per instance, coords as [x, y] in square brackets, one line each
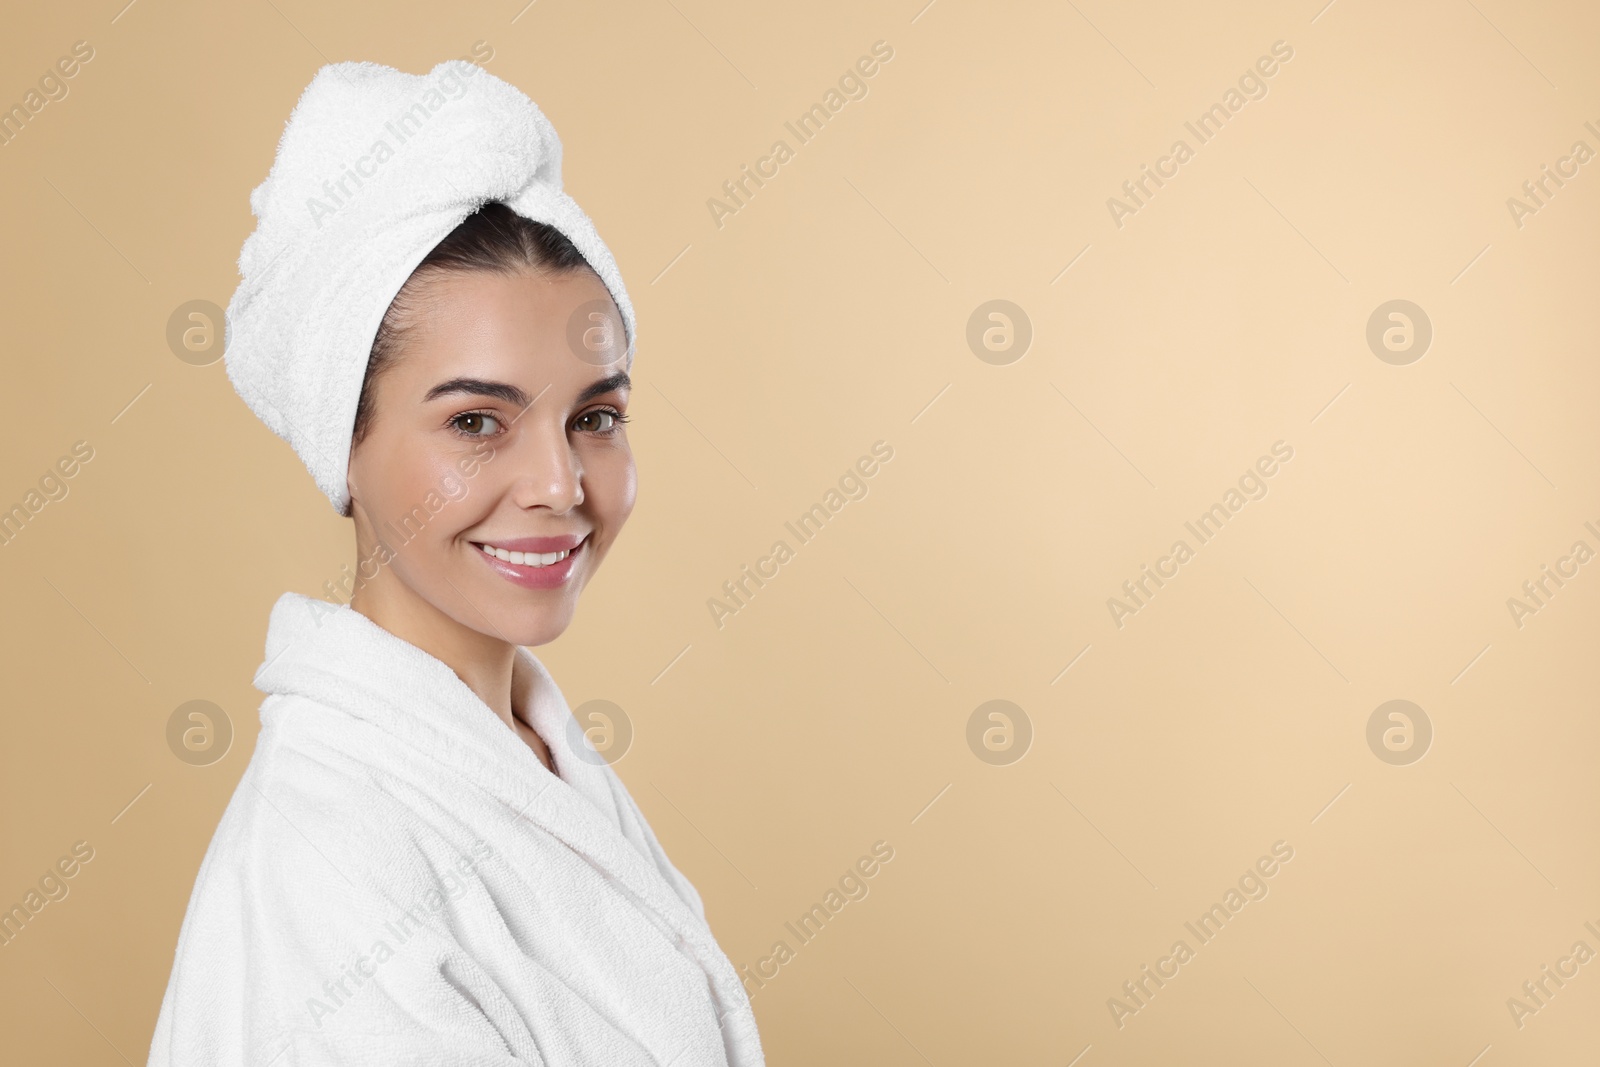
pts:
[495, 239]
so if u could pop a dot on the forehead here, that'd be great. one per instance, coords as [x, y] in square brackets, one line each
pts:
[508, 316]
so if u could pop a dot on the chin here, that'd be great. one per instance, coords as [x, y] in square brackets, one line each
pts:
[537, 629]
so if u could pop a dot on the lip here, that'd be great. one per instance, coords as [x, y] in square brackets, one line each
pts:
[535, 577]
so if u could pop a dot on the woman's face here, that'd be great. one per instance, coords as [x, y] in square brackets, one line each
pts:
[495, 426]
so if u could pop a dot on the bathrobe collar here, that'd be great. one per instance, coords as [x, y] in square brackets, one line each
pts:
[337, 657]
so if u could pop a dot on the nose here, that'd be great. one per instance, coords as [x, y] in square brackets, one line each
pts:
[549, 470]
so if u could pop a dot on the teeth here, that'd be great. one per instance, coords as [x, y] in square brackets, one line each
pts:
[527, 559]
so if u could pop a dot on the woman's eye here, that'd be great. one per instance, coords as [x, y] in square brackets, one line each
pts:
[601, 422]
[471, 423]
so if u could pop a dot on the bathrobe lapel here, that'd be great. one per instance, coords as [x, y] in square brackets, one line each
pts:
[337, 656]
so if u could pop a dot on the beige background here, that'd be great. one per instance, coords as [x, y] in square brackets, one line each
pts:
[831, 312]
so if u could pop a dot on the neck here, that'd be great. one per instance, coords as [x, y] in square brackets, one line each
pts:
[483, 662]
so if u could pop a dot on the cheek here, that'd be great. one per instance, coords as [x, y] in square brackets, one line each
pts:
[420, 480]
[410, 477]
[613, 487]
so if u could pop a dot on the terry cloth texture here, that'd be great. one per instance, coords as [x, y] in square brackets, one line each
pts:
[398, 880]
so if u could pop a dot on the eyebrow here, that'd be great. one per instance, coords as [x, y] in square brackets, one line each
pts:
[512, 394]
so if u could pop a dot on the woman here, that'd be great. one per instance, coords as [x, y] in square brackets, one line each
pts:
[424, 862]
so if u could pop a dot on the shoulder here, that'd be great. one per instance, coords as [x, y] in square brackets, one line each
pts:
[313, 834]
[314, 862]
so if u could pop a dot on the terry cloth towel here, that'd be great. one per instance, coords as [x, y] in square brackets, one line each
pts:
[374, 168]
[398, 881]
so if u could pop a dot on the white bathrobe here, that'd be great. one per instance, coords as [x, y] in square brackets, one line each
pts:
[398, 880]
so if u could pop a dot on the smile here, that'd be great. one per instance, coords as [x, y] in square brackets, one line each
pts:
[535, 570]
[525, 559]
